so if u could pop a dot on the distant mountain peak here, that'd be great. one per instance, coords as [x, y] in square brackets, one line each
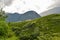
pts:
[54, 10]
[29, 15]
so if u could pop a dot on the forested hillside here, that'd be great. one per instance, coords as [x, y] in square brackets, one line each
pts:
[43, 28]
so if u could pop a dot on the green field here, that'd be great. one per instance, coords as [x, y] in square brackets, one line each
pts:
[43, 28]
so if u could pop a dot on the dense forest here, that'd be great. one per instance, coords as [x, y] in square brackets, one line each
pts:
[43, 28]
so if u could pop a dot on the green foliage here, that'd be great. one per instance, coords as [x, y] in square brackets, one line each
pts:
[5, 31]
[2, 15]
[44, 28]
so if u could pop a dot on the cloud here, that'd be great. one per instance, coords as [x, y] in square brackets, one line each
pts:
[56, 2]
[22, 6]
[6, 2]
[1, 5]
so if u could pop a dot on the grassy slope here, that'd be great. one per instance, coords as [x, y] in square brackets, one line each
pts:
[45, 28]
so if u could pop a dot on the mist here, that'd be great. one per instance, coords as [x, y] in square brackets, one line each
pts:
[4, 3]
[22, 6]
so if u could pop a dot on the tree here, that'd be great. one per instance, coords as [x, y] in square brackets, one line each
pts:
[2, 14]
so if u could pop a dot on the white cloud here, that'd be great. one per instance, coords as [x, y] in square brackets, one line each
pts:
[6, 2]
[1, 5]
[22, 6]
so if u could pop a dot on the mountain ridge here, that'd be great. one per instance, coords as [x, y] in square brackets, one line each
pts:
[22, 17]
[54, 10]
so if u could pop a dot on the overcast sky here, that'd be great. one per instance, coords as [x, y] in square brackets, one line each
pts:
[22, 6]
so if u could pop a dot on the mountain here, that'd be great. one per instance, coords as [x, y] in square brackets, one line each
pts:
[44, 28]
[14, 17]
[54, 10]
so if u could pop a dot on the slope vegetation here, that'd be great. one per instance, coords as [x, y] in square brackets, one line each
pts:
[44, 28]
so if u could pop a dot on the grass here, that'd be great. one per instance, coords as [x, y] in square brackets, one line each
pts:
[44, 28]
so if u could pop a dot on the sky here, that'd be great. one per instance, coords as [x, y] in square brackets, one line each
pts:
[22, 6]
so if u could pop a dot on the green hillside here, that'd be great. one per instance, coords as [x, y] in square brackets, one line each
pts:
[44, 28]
